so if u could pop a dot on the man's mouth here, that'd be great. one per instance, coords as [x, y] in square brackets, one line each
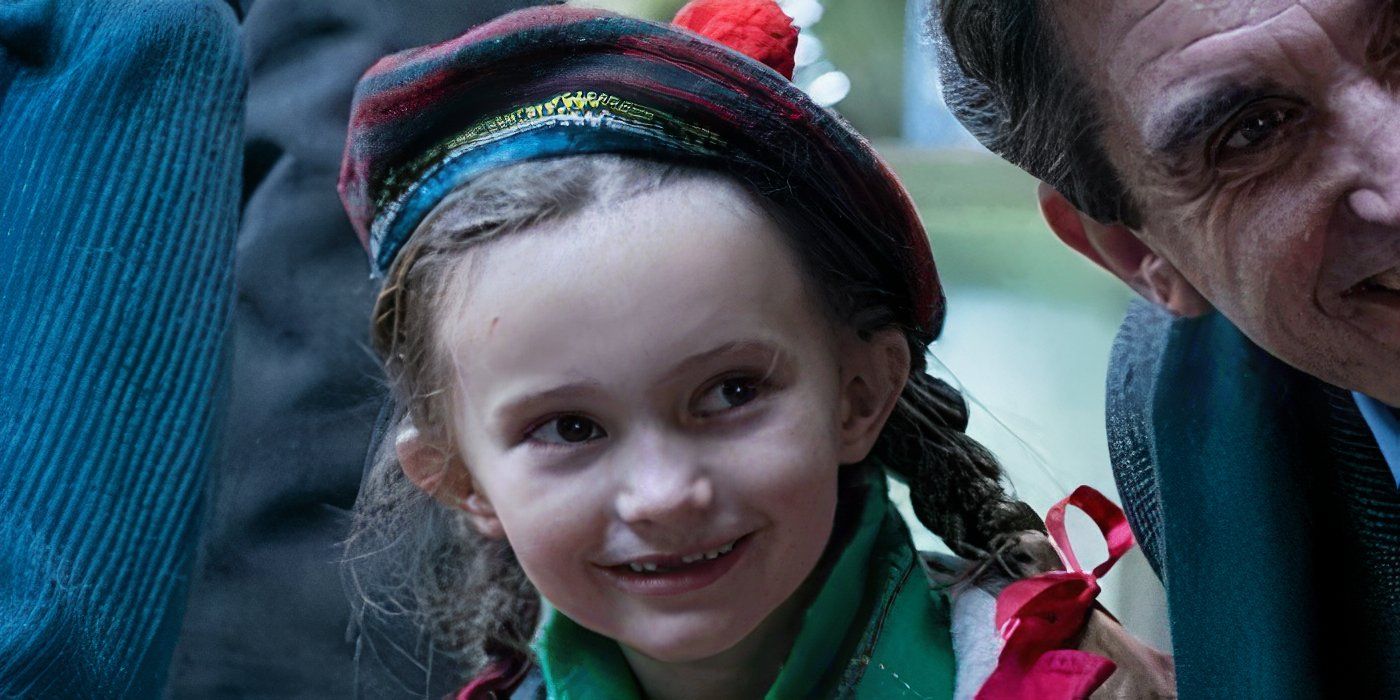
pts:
[1387, 282]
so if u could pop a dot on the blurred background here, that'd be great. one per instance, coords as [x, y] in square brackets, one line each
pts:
[1030, 323]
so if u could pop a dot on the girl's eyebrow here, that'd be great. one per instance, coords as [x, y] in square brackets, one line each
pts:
[521, 404]
[734, 347]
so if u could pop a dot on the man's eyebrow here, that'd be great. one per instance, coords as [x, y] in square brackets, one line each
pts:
[1185, 124]
[1382, 42]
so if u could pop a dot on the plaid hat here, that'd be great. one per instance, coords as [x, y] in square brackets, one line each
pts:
[554, 81]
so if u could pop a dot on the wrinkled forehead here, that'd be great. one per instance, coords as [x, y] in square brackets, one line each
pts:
[1151, 59]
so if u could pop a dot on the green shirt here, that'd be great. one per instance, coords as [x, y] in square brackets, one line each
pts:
[876, 629]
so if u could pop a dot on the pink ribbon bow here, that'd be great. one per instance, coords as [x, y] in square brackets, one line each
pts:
[1040, 616]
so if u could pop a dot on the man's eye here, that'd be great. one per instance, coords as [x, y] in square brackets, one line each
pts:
[1253, 130]
[728, 394]
[565, 430]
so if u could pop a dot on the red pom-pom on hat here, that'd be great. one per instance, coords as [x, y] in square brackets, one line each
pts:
[758, 29]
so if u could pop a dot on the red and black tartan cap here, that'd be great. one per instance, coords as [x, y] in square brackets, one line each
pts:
[714, 89]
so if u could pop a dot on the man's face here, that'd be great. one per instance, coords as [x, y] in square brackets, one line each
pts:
[1261, 142]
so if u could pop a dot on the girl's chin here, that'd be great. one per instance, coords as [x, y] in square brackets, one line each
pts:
[688, 651]
[681, 648]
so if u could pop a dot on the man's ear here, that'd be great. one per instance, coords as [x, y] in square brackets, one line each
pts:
[442, 475]
[1118, 249]
[873, 374]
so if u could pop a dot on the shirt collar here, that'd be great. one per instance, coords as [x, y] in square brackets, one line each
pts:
[1385, 425]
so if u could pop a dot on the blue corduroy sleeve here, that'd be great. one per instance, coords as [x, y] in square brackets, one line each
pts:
[120, 167]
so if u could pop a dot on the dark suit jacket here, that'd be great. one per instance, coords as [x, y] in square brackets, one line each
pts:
[1264, 504]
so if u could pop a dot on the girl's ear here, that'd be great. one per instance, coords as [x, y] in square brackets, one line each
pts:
[873, 374]
[443, 476]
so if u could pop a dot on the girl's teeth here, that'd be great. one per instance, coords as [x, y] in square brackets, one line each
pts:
[648, 568]
[709, 555]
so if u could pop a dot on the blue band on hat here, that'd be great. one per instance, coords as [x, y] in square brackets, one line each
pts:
[555, 135]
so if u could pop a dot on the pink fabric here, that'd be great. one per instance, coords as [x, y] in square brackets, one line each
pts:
[499, 677]
[1039, 617]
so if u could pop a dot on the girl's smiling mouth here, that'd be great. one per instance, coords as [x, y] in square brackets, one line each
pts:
[675, 574]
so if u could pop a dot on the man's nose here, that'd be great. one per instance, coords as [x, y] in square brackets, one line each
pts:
[1376, 122]
[663, 483]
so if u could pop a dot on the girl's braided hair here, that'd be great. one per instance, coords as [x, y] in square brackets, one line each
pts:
[411, 558]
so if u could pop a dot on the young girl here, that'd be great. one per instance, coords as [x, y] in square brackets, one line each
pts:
[656, 325]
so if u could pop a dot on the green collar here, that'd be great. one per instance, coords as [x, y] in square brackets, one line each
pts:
[875, 629]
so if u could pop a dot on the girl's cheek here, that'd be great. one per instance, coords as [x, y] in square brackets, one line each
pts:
[527, 499]
[786, 463]
[540, 495]
[552, 535]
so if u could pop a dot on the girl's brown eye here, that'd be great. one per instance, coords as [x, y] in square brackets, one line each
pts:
[571, 429]
[738, 392]
[728, 394]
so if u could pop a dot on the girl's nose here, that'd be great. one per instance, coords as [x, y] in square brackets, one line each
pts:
[663, 484]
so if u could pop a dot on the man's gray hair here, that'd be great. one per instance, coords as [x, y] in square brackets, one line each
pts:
[1007, 80]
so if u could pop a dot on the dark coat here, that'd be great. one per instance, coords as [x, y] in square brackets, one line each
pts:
[268, 615]
[1265, 506]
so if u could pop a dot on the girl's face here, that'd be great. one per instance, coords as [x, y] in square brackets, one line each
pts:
[650, 404]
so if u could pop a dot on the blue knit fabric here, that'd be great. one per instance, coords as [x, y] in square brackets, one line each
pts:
[120, 162]
[1263, 501]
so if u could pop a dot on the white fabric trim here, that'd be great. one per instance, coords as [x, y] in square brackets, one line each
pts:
[976, 644]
